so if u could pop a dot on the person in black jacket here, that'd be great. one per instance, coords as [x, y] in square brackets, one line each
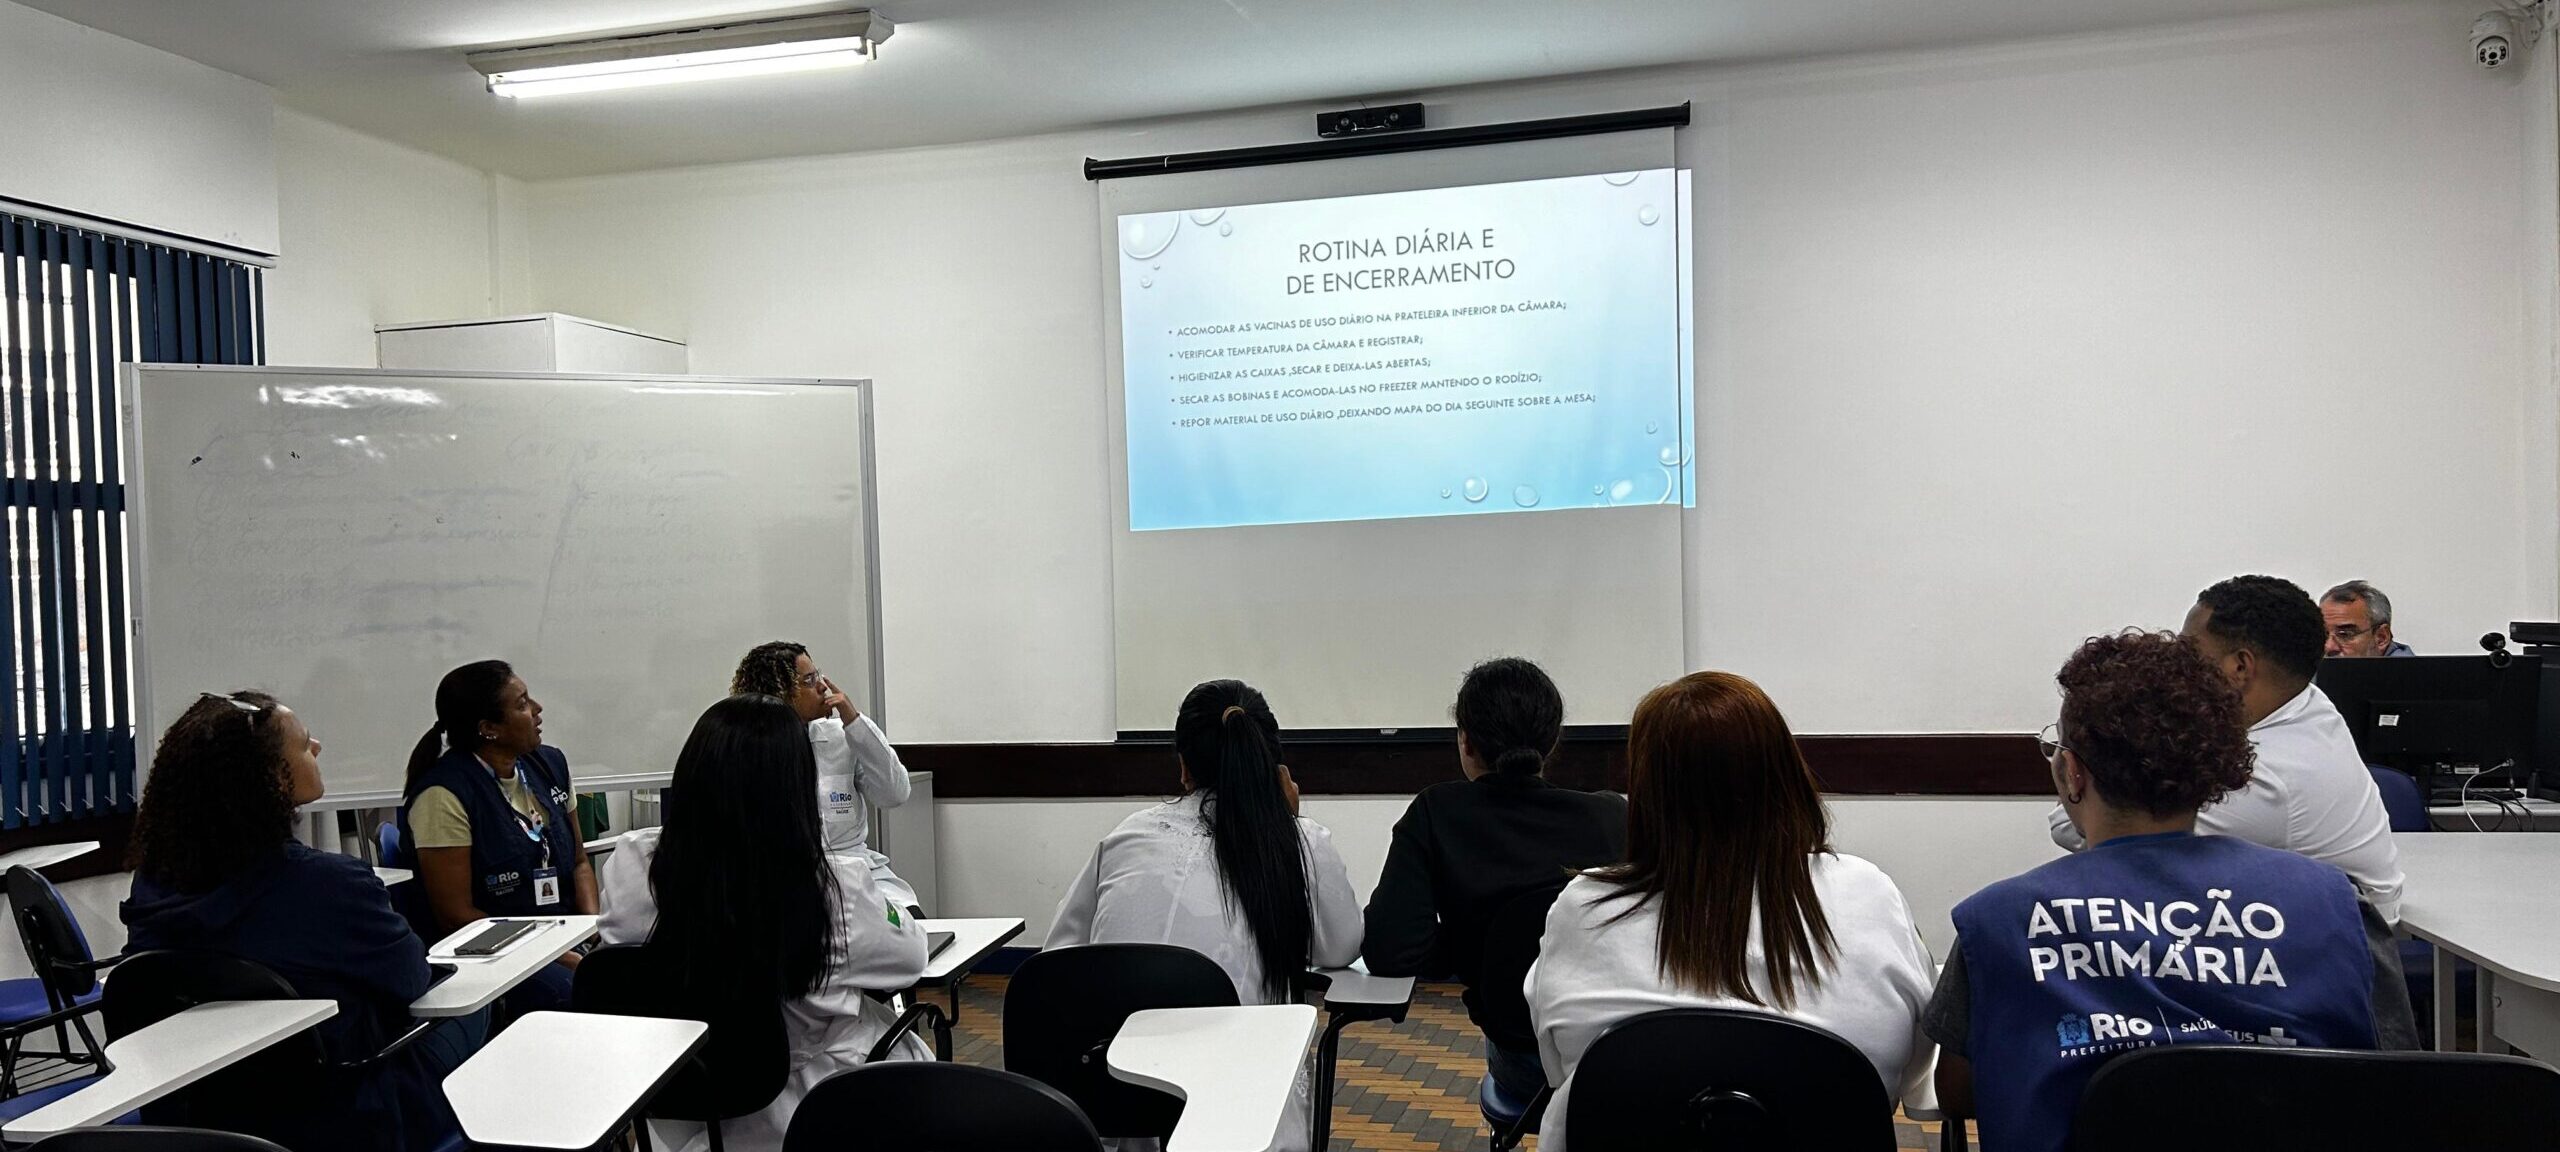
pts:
[1467, 847]
[216, 868]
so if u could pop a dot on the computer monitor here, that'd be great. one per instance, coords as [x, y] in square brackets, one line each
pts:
[2447, 720]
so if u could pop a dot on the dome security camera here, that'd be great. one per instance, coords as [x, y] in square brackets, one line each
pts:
[2493, 39]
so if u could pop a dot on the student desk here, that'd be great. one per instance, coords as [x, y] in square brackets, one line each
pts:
[620, 1062]
[479, 980]
[2491, 900]
[165, 1057]
[973, 939]
[1351, 995]
[391, 876]
[46, 855]
[1234, 1068]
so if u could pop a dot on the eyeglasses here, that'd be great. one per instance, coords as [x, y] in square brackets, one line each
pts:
[2347, 633]
[2050, 740]
[813, 679]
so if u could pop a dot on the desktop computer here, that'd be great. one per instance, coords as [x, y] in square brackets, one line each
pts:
[2453, 722]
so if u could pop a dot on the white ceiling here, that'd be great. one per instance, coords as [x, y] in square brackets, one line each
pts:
[976, 69]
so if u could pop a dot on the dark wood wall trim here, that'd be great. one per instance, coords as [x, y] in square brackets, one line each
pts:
[1928, 765]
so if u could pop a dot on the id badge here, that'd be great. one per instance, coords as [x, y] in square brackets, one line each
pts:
[546, 887]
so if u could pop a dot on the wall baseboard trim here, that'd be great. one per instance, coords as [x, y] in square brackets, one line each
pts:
[1968, 764]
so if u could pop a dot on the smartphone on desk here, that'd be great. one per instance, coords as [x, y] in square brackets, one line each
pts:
[935, 942]
[494, 939]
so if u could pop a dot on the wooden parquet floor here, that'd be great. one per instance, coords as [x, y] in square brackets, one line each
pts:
[1406, 1087]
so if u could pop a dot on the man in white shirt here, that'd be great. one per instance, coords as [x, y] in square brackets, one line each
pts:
[2310, 792]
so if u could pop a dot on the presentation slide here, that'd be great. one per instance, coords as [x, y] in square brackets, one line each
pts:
[1452, 351]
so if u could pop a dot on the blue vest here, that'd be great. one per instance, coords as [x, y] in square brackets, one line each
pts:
[503, 857]
[2144, 941]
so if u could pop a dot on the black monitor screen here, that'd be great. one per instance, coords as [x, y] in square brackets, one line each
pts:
[2434, 716]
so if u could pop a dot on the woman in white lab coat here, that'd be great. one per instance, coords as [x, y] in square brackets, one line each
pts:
[1730, 897]
[856, 766]
[738, 886]
[1229, 870]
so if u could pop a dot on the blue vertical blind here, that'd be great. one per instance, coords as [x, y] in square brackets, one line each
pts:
[73, 305]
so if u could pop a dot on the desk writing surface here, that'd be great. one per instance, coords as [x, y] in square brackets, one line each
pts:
[165, 1057]
[2492, 899]
[972, 938]
[618, 1061]
[1235, 1069]
[44, 856]
[477, 982]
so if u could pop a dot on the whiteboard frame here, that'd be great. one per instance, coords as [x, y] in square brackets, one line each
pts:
[138, 590]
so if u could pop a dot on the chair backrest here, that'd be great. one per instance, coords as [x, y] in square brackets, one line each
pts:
[1064, 1005]
[152, 986]
[2281, 1099]
[915, 1104]
[2402, 803]
[57, 949]
[386, 843]
[137, 1138]
[1496, 1001]
[744, 1059]
[1700, 1078]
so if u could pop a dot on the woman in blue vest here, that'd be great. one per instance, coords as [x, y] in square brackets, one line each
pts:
[216, 868]
[488, 818]
[2153, 935]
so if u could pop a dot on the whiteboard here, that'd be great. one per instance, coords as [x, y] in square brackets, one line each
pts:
[342, 538]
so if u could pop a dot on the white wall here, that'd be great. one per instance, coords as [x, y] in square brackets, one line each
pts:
[1999, 347]
[372, 233]
[113, 130]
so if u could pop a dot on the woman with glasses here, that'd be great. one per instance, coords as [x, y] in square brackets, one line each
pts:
[1730, 897]
[856, 766]
[488, 818]
[2153, 934]
[216, 867]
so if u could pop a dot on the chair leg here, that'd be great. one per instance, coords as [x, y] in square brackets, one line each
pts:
[715, 1136]
[1951, 1135]
[1320, 1124]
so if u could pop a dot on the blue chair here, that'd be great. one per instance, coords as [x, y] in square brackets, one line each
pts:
[386, 842]
[2406, 805]
[66, 976]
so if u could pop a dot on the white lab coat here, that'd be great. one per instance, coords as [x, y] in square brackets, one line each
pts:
[1154, 880]
[857, 769]
[829, 1030]
[2310, 793]
[1595, 970]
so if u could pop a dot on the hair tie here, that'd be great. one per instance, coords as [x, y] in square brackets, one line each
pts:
[1233, 711]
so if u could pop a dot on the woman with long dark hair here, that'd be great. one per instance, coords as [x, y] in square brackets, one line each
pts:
[1468, 847]
[1730, 897]
[1230, 870]
[216, 867]
[489, 820]
[739, 887]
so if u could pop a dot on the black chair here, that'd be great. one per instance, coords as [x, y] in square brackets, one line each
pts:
[1711, 1078]
[744, 1060]
[1064, 1005]
[2298, 1099]
[152, 986]
[1497, 1002]
[926, 1106]
[58, 953]
[136, 1138]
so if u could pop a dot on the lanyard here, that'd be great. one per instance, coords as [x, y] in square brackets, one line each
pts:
[532, 830]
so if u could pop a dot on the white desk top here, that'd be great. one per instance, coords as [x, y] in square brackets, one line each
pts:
[2488, 899]
[972, 939]
[46, 855]
[391, 876]
[1349, 986]
[479, 981]
[1234, 1068]
[1922, 1103]
[170, 1055]
[619, 1062]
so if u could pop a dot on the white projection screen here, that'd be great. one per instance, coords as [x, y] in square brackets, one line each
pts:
[1362, 611]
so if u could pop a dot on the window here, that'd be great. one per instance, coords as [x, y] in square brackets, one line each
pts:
[73, 305]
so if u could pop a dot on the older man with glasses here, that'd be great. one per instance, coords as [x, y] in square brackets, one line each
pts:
[2358, 617]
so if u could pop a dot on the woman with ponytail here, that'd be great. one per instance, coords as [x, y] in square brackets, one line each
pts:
[1468, 847]
[1230, 870]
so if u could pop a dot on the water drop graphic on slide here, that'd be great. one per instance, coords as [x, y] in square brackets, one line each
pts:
[1475, 489]
[1525, 496]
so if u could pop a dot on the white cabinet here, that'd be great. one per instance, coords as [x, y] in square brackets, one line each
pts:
[543, 342]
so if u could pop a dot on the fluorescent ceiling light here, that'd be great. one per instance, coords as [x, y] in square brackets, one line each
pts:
[749, 48]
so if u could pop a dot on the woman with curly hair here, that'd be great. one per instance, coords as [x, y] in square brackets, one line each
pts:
[2152, 935]
[856, 766]
[216, 867]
